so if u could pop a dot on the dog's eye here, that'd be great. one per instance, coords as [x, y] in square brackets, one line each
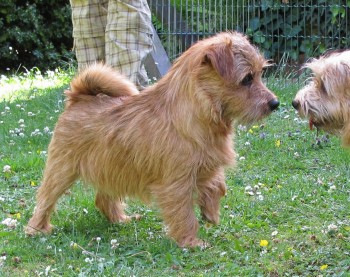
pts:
[247, 80]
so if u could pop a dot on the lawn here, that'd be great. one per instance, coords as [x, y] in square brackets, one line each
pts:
[286, 212]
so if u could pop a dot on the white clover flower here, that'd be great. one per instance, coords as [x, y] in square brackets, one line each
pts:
[274, 233]
[263, 252]
[46, 130]
[333, 187]
[43, 239]
[31, 114]
[2, 260]
[47, 270]
[98, 239]
[248, 188]
[114, 243]
[242, 128]
[242, 158]
[36, 133]
[89, 260]
[21, 121]
[332, 227]
[9, 222]
[6, 168]
[247, 143]
[7, 108]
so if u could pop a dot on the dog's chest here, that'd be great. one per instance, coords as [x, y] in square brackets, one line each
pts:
[219, 153]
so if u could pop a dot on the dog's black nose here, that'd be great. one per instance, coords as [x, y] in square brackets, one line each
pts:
[295, 104]
[273, 104]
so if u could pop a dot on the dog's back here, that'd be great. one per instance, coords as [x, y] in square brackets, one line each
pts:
[99, 79]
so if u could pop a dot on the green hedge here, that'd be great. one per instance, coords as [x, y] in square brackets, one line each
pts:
[286, 31]
[35, 33]
[295, 32]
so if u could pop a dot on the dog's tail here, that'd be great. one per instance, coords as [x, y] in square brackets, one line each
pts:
[99, 78]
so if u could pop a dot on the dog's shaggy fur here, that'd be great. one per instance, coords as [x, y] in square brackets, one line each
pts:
[168, 144]
[325, 100]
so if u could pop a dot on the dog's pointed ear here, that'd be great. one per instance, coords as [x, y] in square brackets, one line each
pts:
[220, 57]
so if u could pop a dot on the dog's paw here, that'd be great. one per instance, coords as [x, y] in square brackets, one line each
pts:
[192, 243]
[125, 218]
[33, 231]
[136, 217]
[211, 218]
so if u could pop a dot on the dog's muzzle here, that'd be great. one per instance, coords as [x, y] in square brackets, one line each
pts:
[273, 104]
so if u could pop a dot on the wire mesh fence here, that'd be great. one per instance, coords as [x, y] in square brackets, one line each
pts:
[288, 32]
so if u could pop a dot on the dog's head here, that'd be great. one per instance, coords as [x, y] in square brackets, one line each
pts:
[325, 99]
[226, 72]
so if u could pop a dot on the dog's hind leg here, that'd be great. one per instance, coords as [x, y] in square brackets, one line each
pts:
[58, 178]
[209, 195]
[112, 208]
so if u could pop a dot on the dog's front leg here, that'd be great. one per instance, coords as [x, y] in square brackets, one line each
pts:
[209, 195]
[176, 202]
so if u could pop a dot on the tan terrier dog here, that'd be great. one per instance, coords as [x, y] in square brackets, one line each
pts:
[325, 100]
[168, 144]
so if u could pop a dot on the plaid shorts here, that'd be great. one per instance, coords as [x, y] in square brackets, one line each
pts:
[117, 32]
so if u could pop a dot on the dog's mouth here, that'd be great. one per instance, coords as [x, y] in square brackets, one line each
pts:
[318, 124]
[328, 126]
[313, 123]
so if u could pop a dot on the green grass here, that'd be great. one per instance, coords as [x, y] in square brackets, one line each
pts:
[289, 189]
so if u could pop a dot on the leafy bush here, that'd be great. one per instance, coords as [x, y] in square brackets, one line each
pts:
[35, 33]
